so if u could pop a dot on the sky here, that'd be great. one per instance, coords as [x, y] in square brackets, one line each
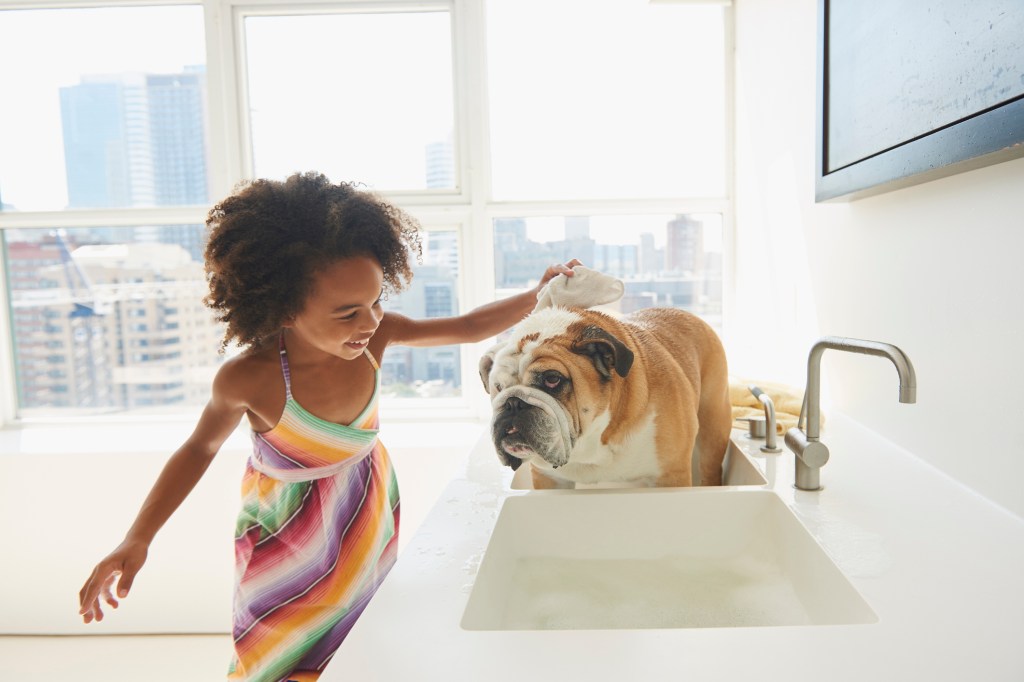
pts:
[586, 103]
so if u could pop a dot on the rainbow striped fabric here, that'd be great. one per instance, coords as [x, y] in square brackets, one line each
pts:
[316, 536]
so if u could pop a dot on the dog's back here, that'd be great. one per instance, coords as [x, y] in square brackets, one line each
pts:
[692, 344]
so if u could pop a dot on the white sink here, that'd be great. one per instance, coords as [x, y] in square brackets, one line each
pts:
[656, 558]
[737, 469]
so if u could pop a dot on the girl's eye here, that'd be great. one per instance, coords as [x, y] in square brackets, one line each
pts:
[347, 317]
[552, 380]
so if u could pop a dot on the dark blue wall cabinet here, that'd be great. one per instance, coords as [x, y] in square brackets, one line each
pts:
[914, 90]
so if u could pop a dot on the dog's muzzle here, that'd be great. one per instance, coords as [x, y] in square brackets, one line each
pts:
[538, 419]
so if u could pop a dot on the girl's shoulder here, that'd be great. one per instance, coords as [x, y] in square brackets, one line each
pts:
[245, 374]
[393, 328]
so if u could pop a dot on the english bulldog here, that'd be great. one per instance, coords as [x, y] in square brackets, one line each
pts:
[583, 398]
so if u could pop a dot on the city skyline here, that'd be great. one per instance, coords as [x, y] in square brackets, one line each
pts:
[433, 292]
[96, 330]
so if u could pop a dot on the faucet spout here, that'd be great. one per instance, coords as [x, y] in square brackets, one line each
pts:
[803, 440]
[812, 395]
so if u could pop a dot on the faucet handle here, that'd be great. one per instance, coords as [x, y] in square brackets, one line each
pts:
[769, 418]
[811, 455]
[756, 426]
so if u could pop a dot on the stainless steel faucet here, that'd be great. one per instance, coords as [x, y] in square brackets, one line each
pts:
[769, 418]
[811, 453]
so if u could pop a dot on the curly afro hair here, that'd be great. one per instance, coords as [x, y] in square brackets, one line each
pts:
[269, 239]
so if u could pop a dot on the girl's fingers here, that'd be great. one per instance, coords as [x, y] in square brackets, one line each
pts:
[87, 595]
[106, 593]
[124, 583]
[95, 590]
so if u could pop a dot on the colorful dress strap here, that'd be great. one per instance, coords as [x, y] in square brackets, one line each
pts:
[284, 367]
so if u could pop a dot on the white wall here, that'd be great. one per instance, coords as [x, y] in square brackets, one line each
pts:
[935, 269]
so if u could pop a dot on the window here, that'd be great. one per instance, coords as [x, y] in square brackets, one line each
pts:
[104, 288]
[664, 260]
[519, 132]
[110, 108]
[427, 372]
[611, 99]
[374, 102]
[111, 126]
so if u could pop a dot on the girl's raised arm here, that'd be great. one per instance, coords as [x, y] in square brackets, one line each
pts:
[476, 325]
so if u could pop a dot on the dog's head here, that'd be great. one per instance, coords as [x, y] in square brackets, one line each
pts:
[550, 382]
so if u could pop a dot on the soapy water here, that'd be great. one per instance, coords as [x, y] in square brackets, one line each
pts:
[549, 593]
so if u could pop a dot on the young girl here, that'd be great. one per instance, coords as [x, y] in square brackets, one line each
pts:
[297, 270]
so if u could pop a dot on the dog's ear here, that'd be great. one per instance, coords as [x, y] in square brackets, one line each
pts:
[606, 351]
[486, 363]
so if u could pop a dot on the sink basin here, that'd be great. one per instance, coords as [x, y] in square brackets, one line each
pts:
[656, 558]
[737, 469]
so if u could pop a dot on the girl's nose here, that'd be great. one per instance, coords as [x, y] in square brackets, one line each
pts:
[373, 322]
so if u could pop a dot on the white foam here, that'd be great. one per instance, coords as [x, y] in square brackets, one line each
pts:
[551, 593]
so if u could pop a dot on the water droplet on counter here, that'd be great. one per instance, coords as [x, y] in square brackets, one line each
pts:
[859, 552]
[472, 564]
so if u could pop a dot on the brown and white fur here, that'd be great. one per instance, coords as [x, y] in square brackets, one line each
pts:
[587, 398]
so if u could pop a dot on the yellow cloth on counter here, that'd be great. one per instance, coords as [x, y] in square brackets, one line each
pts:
[786, 399]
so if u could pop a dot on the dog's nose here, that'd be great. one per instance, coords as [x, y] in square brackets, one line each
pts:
[514, 404]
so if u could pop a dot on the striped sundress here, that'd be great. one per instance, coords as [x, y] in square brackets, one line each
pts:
[317, 534]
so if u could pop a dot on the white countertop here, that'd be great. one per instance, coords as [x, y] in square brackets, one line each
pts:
[942, 568]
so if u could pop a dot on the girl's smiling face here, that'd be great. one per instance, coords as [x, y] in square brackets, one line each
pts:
[343, 310]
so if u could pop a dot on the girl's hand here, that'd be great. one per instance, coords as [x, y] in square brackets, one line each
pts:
[558, 269]
[121, 565]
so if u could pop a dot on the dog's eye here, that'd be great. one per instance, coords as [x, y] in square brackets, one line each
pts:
[552, 379]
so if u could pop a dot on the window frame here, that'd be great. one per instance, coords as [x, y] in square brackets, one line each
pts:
[469, 208]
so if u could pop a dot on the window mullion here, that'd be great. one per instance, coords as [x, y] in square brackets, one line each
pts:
[8, 392]
[471, 58]
[105, 217]
[224, 71]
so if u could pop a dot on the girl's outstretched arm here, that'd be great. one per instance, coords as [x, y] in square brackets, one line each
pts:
[177, 479]
[476, 325]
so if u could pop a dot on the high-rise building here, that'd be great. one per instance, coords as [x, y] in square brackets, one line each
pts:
[442, 249]
[177, 133]
[105, 121]
[109, 326]
[138, 140]
[59, 338]
[425, 372]
[112, 318]
[684, 245]
[163, 342]
[577, 228]
[135, 140]
[440, 168]
[518, 259]
[649, 258]
[620, 260]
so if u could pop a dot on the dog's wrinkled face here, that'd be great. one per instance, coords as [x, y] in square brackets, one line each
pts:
[548, 383]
